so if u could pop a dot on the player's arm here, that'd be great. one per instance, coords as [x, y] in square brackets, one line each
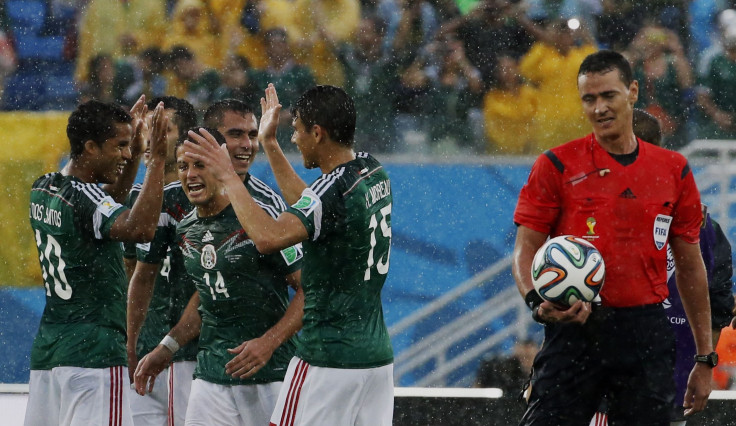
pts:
[253, 354]
[120, 189]
[289, 182]
[140, 291]
[268, 234]
[160, 357]
[528, 241]
[139, 223]
[129, 263]
[693, 287]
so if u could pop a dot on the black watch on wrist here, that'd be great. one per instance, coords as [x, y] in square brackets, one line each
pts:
[711, 359]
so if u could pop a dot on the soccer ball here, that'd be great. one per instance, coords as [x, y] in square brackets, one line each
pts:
[567, 269]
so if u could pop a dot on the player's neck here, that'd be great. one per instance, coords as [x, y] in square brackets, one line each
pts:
[80, 169]
[214, 207]
[336, 155]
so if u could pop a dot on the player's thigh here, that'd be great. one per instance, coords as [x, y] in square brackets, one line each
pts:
[255, 403]
[377, 405]
[316, 395]
[93, 396]
[43, 399]
[151, 409]
[211, 404]
[179, 386]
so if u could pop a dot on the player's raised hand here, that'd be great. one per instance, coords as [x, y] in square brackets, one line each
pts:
[698, 388]
[138, 113]
[270, 111]
[203, 147]
[149, 367]
[159, 123]
[251, 356]
[577, 313]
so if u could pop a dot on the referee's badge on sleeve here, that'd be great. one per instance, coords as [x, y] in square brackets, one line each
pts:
[661, 230]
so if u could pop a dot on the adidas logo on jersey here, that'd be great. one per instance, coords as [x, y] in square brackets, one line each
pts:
[627, 194]
[207, 237]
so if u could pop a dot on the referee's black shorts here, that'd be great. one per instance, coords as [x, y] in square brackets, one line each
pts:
[626, 354]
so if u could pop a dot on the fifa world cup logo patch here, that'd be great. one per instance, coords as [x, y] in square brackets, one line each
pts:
[590, 222]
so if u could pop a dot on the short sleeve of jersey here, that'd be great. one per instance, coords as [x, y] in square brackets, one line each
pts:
[156, 250]
[95, 211]
[320, 214]
[539, 201]
[687, 214]
[286, 261]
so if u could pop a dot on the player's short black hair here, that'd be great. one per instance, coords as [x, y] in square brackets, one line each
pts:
[214, 115]
[607, 60]
[330, 108]
[93, 120]
[185, 117]
[185, 137]
[647, 127]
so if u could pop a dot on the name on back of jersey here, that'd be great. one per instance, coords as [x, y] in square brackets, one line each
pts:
[46, 215]
[377, 192]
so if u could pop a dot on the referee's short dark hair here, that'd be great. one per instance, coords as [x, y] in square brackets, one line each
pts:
[94, 120]
[607, 60]
[331, 108]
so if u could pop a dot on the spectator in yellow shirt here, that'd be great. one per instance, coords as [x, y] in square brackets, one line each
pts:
[198, 29]
[509, 109]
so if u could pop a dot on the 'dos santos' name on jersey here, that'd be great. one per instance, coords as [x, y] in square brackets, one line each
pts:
[52, 217]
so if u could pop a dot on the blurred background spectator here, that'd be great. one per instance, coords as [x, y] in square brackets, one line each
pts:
[429, 76]
[665, 80]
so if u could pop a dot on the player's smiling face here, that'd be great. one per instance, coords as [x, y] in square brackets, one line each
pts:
[114, 154]
[241, 137]
[608, 103]
[199, 185]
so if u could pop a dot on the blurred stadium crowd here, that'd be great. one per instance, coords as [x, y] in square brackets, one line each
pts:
[428, 76]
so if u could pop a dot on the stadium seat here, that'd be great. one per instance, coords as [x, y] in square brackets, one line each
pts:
[23, 91]
[61, 93]
[32, 46]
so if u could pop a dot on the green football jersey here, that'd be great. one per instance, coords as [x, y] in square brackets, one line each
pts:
[129, 247]
[243, 293]
[347, 214]
[173, 287]
[83, 323]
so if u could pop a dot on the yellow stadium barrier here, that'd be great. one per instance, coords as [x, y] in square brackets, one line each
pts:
[33, 144]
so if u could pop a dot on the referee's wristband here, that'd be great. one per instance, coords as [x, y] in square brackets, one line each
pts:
[533, 300]
[170, 343]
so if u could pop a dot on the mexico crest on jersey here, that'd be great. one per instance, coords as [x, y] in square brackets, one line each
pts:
[208, 259]
[661, 230]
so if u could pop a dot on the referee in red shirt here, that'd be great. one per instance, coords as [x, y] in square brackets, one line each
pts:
[629, 199]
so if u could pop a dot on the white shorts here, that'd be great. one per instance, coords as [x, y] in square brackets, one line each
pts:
[79, 396]
[179, 385]
[245, 405]
[152, 409]
[335, 396]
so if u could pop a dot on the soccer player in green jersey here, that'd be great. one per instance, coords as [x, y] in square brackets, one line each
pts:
[247, 313]
[159, 288]
[78, 358]
[343, 368]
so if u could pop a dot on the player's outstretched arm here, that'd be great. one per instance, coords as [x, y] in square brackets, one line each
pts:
[268, 234]
[140, 291]
[289, 182]
[121, 188]
[160, 357]
[139, 223]
[253, 354]
[528, 241]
